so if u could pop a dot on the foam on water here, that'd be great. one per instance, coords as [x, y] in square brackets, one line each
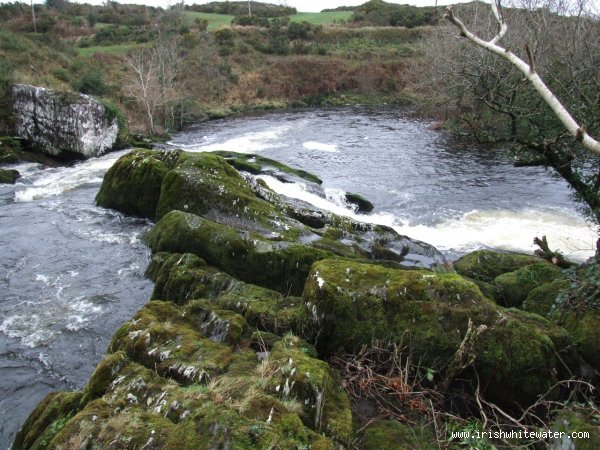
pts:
[501, 229]
[252, 142]
[319, 146]
[37, 184]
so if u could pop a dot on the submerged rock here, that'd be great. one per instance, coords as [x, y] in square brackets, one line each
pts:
[63, 123]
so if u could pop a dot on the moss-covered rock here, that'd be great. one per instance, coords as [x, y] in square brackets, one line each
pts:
[133, 184]
[184, 344]
[352, 303]
[281, 266]
[512, 288]
[578, 420]
[257, 164]
[47, 419]
[104, 374]
[584, 328]
[301, 376]
[485, 265]
[362, 204]
[9, 176]
[143, 407]
[543, 299]
[204, 184]
[393, 435]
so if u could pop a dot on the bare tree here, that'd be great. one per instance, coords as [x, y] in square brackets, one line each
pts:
[155, 77]
[529, 71]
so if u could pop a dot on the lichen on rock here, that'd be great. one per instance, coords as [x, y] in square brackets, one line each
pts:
[63, 123]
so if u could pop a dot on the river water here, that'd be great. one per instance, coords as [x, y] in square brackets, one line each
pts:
[71, 273]
[458, 199]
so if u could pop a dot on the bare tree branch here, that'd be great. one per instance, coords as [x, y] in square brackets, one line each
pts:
[575, 130]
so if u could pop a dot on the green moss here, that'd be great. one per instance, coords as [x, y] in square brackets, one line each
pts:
[485, 265]
[132, 185]
[259, 164]
[247, 256]
[163, 337]
[311, 381]
[584, 328]
[512, 288]
[104, 374]
[9, 176]
[351, 303]
[393, 435]
[204, 184]
[114, 112]
[48, 418]
[581, 421]
[219, 325]
[361, 203]
[184, 277]
[263, 309]
[543, 299]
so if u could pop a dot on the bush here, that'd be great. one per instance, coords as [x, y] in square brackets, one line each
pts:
[91, 83]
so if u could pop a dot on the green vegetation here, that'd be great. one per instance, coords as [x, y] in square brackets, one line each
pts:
[237, 268]
[322, 18]
[213, 21]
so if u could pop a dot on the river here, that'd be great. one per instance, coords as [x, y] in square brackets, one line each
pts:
[71, 273]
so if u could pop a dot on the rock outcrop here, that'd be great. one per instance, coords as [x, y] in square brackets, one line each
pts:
[63, 123]
[249, 299]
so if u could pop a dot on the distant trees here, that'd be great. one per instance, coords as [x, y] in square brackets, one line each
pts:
[498, 89]
[380, 13]
[240, 8]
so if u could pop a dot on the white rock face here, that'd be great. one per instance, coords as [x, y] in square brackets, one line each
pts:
[56, 122]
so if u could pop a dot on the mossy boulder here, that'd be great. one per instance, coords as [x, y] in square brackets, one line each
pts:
[326, 406]
[584, 328]
[394, 435]
[281, 266]
[257, 164]
[104, 374]
[351, 303]
[485, 265]
[180, 343]
[184, 277]
[9, 176]
[140, 405]
[47, 419]
[204, 184]
[362, 204]
[543, 300]
[133, 184]
[512, 288]
[577, 420]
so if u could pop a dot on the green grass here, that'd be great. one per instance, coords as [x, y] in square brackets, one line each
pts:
[109, 49]
[214, 20]
[321, 18]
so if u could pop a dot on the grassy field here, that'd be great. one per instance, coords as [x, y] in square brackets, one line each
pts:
[214, 20]
[110, 49]
[217, 20]
[321, 18]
